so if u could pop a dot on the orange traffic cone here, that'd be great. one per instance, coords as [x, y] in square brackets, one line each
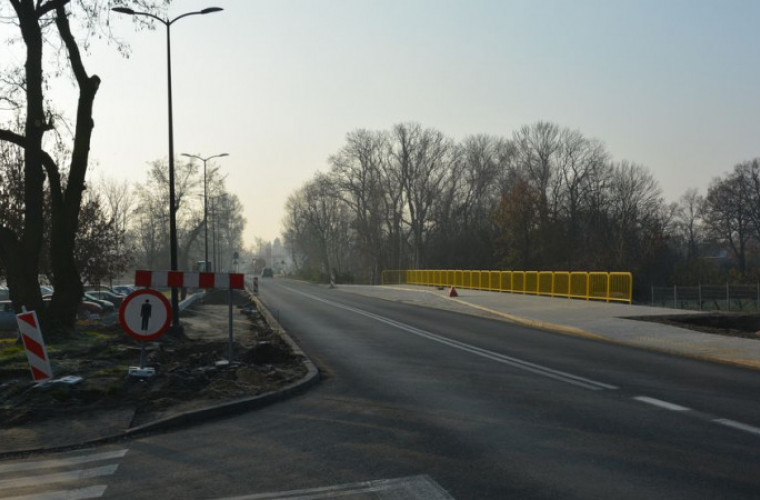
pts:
[453, 292]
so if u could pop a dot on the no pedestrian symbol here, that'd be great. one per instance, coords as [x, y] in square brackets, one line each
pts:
[145, 314]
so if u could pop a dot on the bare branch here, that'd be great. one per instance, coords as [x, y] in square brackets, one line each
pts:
[43, 9]
[62, 21]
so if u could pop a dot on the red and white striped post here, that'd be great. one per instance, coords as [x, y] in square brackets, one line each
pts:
[31, 335]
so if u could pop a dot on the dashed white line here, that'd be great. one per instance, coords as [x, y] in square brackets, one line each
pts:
[738, 425]
[661, 404]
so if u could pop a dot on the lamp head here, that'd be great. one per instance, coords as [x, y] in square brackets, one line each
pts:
[124, 10]
[209, 10]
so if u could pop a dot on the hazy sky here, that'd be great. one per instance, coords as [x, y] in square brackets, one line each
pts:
[277, 84]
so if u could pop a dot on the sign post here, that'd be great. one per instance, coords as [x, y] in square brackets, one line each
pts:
[145, 315]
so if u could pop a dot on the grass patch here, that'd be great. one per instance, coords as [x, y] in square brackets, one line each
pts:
[11, 352]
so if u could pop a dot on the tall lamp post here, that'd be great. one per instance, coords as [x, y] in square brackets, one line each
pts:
[176, 326]
[205, 203]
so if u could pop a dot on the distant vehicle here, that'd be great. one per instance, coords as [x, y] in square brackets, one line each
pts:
[267, 273]
[115, 298]
[5, 294]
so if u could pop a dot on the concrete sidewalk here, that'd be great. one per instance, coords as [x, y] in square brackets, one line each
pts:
[593, 319]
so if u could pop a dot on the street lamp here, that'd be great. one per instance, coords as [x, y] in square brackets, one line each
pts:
[176, 327]
[205, 203]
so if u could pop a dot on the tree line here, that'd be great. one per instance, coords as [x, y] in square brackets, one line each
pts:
[546, 198]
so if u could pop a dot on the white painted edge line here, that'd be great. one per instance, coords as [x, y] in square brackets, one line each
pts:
[661, 404]
[738, 425]
[568, 378]
[60, 477]
[61, 462]
[78, 494]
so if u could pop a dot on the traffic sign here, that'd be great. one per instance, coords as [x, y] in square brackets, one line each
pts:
[145, 314]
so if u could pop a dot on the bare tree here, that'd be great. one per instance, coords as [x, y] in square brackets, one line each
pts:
[749, 173]
[636, 209]
[581, 162]
[356, 171]
[424, 158]
[688, 218]
[536, 148]
[727, 217]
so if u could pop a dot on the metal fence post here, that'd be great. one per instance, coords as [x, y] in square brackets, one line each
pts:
[699, 288]
[728, 296]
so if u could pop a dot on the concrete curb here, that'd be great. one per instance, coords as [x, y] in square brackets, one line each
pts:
[227, 409]
[191, 300]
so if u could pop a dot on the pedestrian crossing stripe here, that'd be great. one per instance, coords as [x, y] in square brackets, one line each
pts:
[43, 479]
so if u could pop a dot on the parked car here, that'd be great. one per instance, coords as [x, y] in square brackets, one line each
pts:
[115, 298]
[5, 294]
[7, 316]
[89, 310]
[268, 273]
[86, 309]
[124, 289]
[107, 305]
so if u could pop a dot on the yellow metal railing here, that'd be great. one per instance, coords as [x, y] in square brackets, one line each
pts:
[616, 286]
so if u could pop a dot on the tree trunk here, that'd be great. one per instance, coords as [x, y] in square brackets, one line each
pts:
[27, 290]
[66, 206]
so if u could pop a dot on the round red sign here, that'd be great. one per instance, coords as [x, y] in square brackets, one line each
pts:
[145, 314]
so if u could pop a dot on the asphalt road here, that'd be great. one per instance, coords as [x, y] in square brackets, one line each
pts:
[424, 403]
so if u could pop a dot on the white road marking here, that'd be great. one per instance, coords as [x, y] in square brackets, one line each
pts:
[501, 358]
[662, 404]
[61, 462]
[78, 494]
[738, 425]
[409, 488]
[59, 477]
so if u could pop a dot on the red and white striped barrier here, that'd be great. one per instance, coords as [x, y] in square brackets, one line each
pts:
[190, 279]
[36, 353]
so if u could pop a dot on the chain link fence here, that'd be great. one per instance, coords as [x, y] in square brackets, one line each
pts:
[728, 297]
